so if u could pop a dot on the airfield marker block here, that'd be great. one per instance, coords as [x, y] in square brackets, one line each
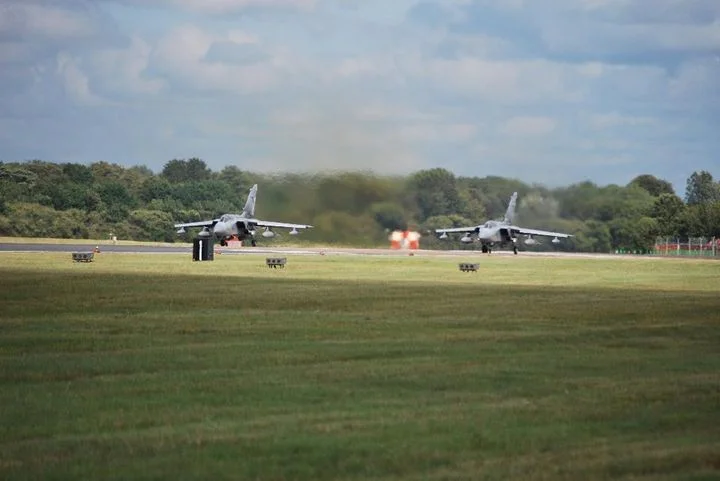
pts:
[276, 262]
[203, 249]
[467, 267]
[83, 256]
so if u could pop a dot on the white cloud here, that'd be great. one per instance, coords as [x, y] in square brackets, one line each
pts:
[528, 126]
[518, 81]
[75, 82]
[438, 132]
[222, 6]
[350, 88]
[606, 38]
[616, 119]
[123, 70]
[20, 19]
[181, 53]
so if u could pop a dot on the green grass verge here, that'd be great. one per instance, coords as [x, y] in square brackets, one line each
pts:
[284, 241]
[47, 240]
[155, 367]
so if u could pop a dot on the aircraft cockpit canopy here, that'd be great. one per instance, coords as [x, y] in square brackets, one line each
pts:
[224, 218]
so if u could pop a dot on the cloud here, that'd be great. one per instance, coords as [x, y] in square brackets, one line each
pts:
[609, 30]
[21, 19]
[503, 81]
[75, 81]
[528, 126]
[221, 6]
[551, 91]
[191, 57]
[615, 119]
[123, 71]
[654, 11]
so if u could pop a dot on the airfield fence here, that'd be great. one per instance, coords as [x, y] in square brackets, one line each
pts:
[668, 246]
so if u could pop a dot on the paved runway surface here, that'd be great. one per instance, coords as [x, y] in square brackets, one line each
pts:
[187, 250]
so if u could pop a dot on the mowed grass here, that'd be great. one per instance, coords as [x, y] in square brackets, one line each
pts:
[388, 368]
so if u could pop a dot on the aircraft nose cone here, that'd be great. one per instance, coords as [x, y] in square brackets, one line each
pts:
[221, 229]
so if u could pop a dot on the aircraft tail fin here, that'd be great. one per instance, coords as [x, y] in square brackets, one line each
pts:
[249, 209]
[510, 212]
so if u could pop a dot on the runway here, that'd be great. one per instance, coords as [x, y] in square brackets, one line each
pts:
[186, 249]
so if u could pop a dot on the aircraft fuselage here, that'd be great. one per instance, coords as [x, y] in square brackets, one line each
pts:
[492, 235]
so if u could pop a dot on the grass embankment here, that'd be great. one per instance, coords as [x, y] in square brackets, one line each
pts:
[146, 367]
[283, 240]
[48, 240]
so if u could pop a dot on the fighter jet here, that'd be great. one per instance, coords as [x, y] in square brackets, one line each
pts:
[500, 232]
[241, 226]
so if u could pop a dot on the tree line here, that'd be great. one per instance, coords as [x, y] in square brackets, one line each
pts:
[71, 200]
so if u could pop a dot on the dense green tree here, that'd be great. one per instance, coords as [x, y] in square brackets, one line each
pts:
[701, 188]
[700, 220]
[536, 209]
[472, 200]
[236, 178]
[154, 188]
[654, 186]
[78, 173]
[206, 196]
[577, 201]
[32, 220]
[346, 228]
[667, 210]
[592, 236]
[114, 193]
[40, 198]
[17, 184]
[435, 192]
[69, 195]
[104, 172]
[191, 170]
[151, 225]
[389, 215]
[351, 192]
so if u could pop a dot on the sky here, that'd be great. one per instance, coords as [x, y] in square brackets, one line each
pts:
[551, 92]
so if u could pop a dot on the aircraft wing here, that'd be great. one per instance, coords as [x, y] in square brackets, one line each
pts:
[265, 223]
[202, 223]
[540, 232]
[456, 229]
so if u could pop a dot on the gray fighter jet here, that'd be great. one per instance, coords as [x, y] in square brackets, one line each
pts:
[500, 233]
[240, 226]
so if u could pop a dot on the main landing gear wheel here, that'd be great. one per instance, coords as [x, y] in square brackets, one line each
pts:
[252, 243]
[515, 250]
[484, 249]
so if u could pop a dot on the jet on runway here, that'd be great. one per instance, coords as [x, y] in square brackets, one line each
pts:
[500, 232]
[241, 226]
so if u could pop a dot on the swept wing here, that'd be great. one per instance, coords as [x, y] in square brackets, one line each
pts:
[456, 229]
[202, 223]
[267, 223]
[521, 230]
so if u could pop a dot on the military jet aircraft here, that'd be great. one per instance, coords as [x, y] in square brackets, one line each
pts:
[241, 226]
[500, 232]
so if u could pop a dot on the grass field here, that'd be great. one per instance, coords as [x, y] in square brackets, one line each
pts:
[155, 367]
[282, 240]
[46, 240]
